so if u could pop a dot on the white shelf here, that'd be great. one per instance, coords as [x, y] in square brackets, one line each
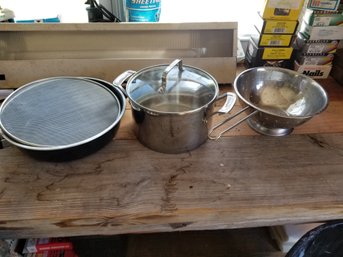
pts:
[109, 26]
[104, 50]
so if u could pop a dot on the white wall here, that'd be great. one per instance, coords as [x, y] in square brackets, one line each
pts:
[70, 10]
[212, 10]
[172, 10]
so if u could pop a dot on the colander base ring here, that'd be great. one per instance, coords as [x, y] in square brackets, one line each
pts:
[275, 132]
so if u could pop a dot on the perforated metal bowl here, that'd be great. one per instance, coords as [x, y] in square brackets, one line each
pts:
[279, 99]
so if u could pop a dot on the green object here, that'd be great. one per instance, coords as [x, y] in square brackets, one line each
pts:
[324, 18]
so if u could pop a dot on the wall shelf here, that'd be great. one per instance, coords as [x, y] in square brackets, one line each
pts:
[104, 50]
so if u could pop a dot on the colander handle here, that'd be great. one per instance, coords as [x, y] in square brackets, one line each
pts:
[232, 126]
[228, 105]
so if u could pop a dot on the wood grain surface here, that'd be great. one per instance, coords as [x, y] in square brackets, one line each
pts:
[242, 180]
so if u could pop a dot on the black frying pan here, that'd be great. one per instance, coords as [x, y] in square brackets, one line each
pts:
[62, 118]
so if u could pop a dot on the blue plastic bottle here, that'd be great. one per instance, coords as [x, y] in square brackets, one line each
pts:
[143, 10]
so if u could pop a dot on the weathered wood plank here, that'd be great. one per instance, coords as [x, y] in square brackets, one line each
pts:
[242, 181]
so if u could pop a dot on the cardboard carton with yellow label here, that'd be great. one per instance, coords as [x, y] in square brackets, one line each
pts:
[281, 9]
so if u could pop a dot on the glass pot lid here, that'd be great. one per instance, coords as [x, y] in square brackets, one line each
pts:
[172, 89]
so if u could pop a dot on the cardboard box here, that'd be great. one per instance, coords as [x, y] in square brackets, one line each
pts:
[313, 71]
[269, 53]
[321, 33]
[314, 46]
[272, 39]
[274, 26]
[323, 18]
[315, 59]
[326, 5]
[251, 63]
[281, 10]
[268, 56]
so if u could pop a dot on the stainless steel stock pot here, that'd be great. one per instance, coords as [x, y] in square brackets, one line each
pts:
[172, 105]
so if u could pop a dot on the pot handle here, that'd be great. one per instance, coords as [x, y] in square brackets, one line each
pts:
[119, 81]
[228, 119]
